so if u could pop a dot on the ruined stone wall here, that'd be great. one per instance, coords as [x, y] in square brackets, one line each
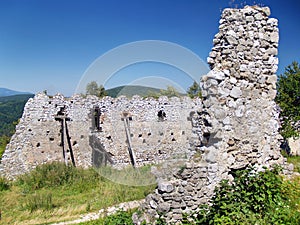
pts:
[239, 114]
[38, 139]
[235, 126]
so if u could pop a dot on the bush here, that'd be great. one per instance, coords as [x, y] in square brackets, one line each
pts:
[251, 199]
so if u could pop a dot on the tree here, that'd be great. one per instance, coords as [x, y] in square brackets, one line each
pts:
[170, 92]
[288, 99]
[92, 88]
[194, 90]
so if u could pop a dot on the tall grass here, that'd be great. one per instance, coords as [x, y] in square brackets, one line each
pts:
[56, 192]
[4, 184]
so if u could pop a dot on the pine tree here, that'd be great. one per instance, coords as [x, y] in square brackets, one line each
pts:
[288, 98]
[194, 90]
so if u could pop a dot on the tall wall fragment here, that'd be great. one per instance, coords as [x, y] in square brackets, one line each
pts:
[239, 112]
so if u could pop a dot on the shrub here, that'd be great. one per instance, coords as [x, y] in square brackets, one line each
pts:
[251, 199]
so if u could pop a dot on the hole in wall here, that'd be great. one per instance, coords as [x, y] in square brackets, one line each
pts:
[144, 140]
[172, 133]
[38, 144]
[161, 115]
[51, 139]
[49, 102]
[140, 135]
[149, 134]
[81, 136]
[74, 143]
[29, 130]
[183, 132]
[173, 139]
[108, 137]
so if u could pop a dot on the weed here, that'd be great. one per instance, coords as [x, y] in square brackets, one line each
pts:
[4, 184]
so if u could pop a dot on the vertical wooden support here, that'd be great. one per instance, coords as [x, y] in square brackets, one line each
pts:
[63, 141]
[62, 118]
[127, 130]
[69, 143]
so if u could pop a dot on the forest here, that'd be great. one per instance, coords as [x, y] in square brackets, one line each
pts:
[11, 109]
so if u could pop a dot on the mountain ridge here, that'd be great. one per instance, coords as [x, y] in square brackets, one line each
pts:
[4, 92]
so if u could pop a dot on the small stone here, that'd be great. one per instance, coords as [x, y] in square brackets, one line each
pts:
[165, 187]
[274, 37]
[249, 18]
[232, 40]
[231, 142]
[272, 22]
[258, 16]
[153, 204]
[266, 11]
[163, 207]
[271, 79]
[235, 92]
[243, 68]
[233, 80]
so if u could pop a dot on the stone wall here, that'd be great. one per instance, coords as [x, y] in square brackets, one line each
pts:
[235, 126]
[239, 114]
[38, 138]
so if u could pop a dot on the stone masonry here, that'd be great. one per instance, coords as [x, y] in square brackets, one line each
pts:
[239, 114]
[154, 139]
[201, 141]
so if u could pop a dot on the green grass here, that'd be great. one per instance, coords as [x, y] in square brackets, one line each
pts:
[55, 192]
[120, 217]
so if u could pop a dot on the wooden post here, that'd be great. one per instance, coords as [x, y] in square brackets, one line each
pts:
[69, 143]
[63, 141]
[62, 118]
[127, 130]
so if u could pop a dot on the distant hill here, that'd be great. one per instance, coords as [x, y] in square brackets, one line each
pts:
[11, 109]
[7, 92]
[131, 90]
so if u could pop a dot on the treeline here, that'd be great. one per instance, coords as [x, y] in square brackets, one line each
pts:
[11, 109]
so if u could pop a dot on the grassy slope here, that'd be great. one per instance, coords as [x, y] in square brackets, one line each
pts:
[54, 193]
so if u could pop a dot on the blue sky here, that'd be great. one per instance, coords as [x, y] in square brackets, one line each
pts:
[49, 44]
